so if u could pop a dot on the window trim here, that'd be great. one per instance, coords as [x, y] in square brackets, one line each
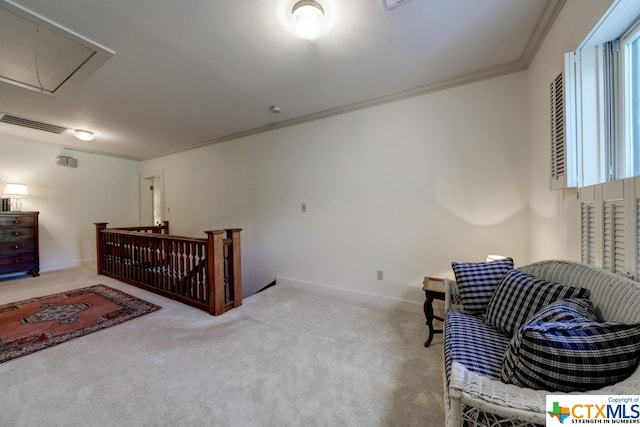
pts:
[625, 123]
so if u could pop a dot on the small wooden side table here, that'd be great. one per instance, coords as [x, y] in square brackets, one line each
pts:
[433, 288]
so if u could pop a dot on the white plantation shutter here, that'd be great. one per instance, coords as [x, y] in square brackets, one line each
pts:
[590, 224]
[558, 143]
[614, 238]
[618, 203]
[565, 126]
[589, 233]
[609, 224]
[635, 214]
[637, 240]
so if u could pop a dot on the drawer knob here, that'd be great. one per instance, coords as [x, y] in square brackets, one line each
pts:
[17, 261]
[16, 233]
[16, 246]
[16, 221]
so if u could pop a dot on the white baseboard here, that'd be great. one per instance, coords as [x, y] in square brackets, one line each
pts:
[66, 265]
[58, 266]
[384, 301]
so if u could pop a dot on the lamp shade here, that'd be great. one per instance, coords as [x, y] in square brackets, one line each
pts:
[15, 191]
[308, 19]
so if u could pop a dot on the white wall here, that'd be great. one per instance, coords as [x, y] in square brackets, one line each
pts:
[555, 215]
[405, 187]
[70, 200]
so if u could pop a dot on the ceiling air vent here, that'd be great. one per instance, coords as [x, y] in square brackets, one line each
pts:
[31, 124]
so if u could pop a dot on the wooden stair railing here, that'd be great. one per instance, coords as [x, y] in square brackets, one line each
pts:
[156, 229]
[204, 273]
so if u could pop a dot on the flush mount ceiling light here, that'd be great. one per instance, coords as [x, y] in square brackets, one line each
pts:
[85, 135]
[308, 19]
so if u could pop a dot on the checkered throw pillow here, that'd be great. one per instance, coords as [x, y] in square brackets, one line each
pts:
[571, 356]
[478, 280]
[519, 296]
[566, 310]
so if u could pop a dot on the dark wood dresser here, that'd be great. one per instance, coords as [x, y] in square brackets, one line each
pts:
[19, 242]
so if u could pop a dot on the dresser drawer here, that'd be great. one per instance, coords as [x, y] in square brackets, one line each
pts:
[16, 248]
[19, 262]
[17, 220]
[16, 234]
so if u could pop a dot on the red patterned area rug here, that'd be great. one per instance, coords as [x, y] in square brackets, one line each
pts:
[38, 323]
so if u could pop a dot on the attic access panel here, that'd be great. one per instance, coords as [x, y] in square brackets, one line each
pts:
[38, 54]
[392, 4]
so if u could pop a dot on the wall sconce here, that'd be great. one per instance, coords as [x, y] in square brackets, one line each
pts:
[62, 160]
[308, 19]
[495, 257]
[15, 192]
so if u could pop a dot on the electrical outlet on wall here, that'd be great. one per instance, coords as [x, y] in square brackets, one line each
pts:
[380, 275]
[303, 207]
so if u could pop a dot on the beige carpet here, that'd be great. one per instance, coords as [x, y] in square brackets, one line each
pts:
[285, 358]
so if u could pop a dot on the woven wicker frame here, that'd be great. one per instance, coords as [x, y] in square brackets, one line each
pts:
[616, 298]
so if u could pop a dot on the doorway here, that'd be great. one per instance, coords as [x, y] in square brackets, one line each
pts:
[152, 199]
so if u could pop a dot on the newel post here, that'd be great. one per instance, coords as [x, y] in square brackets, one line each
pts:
[235, 266]
[100, 246]
[162, 228]
[215, 271]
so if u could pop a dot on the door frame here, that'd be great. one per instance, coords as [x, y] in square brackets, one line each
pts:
[146, 199]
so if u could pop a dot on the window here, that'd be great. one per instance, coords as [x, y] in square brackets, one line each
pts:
[602, 100]
[602, 134]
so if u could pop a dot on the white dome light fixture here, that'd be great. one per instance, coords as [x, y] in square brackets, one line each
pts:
[85, 135]
[308, 19]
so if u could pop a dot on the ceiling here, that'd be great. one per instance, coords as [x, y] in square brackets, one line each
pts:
[186, 74]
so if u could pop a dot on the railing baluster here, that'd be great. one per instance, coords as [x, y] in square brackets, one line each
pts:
[173, 266]
[189, 264]
[199, 281]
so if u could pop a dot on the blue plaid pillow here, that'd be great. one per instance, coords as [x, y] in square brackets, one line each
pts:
[571, 356]
[519, 296]
[566, 310]
[478, 280]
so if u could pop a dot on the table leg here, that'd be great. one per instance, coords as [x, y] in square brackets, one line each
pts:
[428, 314]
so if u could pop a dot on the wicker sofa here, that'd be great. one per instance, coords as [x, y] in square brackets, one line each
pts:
[473, 398]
